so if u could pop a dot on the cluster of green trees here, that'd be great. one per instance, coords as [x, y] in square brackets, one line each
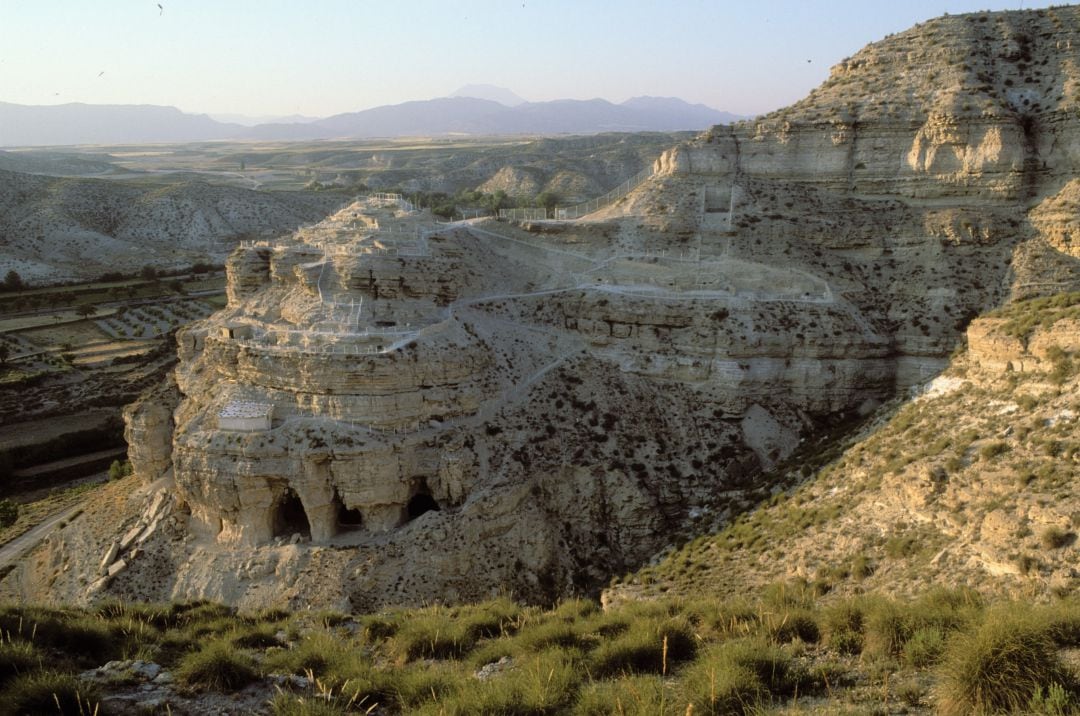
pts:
[109, 434]
[12, 282]
[9, 513]
[449, 205]
[118, 470]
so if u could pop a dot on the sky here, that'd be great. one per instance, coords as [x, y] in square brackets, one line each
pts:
[324, 57]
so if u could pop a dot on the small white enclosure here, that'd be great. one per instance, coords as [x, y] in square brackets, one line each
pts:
[245, 416]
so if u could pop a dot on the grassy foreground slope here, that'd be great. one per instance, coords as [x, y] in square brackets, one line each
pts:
[779, 653]
[961, 500]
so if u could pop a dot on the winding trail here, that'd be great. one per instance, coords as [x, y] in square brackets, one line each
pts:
[14, 550]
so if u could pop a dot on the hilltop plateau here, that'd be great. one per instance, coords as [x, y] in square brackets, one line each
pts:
[392, 411]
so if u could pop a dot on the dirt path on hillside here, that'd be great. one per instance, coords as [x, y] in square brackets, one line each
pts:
[16, 548]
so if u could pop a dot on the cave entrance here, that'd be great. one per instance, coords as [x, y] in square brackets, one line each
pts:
[348, 520]
[420, 503]
[291, 517]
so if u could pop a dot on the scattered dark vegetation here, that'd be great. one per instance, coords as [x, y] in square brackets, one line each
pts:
[733, 657]
[12, 282]
[1023, 317]
[80, 442]
[9, 512]
[119, 470]
[110, 286]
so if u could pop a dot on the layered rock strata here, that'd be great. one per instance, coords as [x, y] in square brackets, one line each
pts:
[457, 410]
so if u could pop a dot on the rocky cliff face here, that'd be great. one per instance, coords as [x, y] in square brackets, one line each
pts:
[437, 413]
[969, 483]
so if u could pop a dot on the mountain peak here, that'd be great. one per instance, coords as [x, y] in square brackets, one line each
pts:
[490, 92]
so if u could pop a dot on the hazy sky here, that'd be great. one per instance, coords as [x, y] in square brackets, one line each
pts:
[321, 57]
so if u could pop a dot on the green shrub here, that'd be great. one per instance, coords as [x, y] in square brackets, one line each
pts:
[718, 685]
[431, 634]
[722, 619]
[889, 625]
[795, 624]
[85, 639]
[17, 658]
[327, 657]
[773, 667]
[47, 692]
[416, 685]
[786, 595]
[1056, 701]
[211, 628]
[736, 676]
[886, 630]
[642, 695]
[992, 450]
[378, 628]
[173, 645]
[218, 666]
[545, 683]
[442, 633]
[1062, 621]
[201, 610]
[285, 704]
[9, 513]
[999, 667]
[648, 646]
[551, 633]
[489, 619]
[269, 615]
[1055, 538]
[575, 609]
[924, 647]
[118, 470]
[842, 628]
[259, 636]
[904, 545]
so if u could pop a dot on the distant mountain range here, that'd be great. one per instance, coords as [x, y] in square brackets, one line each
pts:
[495, 94]
[25, 125]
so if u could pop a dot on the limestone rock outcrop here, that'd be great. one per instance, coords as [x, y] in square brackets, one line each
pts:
[995, 346]
[1058, 219]
[148, 430]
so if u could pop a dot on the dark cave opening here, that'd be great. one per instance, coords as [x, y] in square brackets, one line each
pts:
[348, 519]
[291, 517]
[421, 503]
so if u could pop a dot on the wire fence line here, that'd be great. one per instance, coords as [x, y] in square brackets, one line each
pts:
[569, 213]
[389, 198]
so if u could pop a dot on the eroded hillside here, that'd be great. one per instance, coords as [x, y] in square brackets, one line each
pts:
[393, 411]
[971, 483]
[63, 229]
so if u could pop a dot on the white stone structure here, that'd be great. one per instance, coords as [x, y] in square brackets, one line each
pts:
[244, 416]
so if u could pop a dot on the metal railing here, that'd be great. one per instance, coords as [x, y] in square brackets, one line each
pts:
[527, 214]
[569, 213]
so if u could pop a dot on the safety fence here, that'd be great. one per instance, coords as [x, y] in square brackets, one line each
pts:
[377, 343]
[569, 213]
[383, 197]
